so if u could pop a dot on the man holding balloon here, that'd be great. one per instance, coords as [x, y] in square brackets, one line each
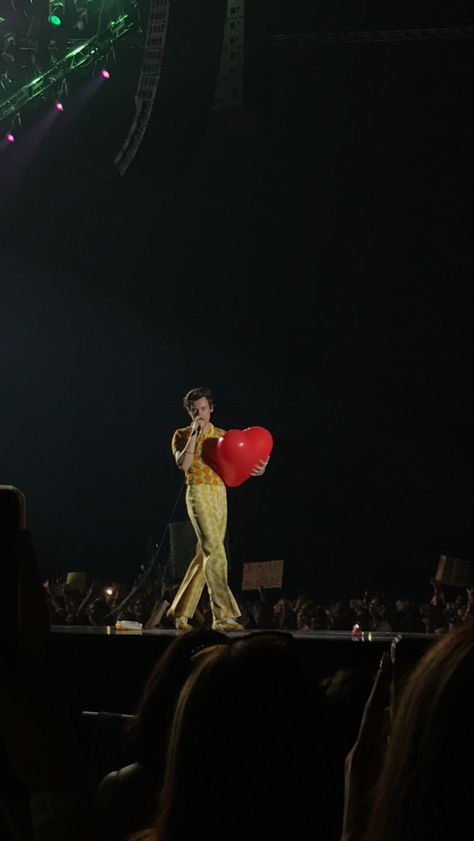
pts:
[212, 459]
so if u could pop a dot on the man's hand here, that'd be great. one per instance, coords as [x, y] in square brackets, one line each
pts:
[260, 468]
[197, 426]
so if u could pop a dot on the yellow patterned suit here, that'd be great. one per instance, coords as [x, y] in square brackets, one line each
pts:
[206, 502]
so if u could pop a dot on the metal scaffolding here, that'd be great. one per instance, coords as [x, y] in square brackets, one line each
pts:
[91, 49]
[309, 39]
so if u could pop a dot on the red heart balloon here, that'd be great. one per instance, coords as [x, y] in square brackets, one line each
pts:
[235, 454]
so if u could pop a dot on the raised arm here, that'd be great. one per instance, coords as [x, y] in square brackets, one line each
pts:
[184, 457]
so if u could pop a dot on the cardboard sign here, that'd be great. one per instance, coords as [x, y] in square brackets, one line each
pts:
[454, 572]
[267, 575]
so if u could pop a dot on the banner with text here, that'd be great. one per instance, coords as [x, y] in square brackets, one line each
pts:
[267, 575]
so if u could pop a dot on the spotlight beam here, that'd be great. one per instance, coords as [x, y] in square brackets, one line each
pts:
[94, 47]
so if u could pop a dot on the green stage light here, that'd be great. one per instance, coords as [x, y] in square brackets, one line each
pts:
[98, 46]
[55, 20]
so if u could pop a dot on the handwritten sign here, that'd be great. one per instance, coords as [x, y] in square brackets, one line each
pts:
[454, 572]
[267, 575]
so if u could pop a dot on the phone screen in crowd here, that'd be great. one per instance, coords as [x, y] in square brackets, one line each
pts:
[12, 520]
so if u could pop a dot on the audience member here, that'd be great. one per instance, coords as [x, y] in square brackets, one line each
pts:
[373, 613]
[232, 733]
[407, 619]
[416, 786]
[340, 616]
[284, 615]
[128, 797]
[37, 726]
[378, 616]
[6, 828]
[262, 615]
[347, 692]
[251, 742]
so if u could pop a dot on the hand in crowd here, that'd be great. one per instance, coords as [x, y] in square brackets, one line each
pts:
[364, 762]
[305, 613]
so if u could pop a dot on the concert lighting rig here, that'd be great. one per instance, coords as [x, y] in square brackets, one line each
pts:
[193, 62]
[44, 42]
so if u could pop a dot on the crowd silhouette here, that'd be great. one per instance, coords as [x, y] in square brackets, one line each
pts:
[234, 737]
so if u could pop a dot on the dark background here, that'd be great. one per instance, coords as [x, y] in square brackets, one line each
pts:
[311, 263]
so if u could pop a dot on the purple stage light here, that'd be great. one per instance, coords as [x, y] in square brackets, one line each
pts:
[105, 74]
[10, 138]
[59, 106]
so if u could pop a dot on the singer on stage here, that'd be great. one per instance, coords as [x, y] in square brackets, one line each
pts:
[206, 503]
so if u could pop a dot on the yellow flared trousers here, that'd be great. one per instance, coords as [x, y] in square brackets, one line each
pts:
[207, 509]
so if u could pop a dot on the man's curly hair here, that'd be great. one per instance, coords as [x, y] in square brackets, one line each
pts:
[197, 394]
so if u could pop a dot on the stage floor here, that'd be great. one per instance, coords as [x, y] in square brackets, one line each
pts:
[106, 669]
[369, 636]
